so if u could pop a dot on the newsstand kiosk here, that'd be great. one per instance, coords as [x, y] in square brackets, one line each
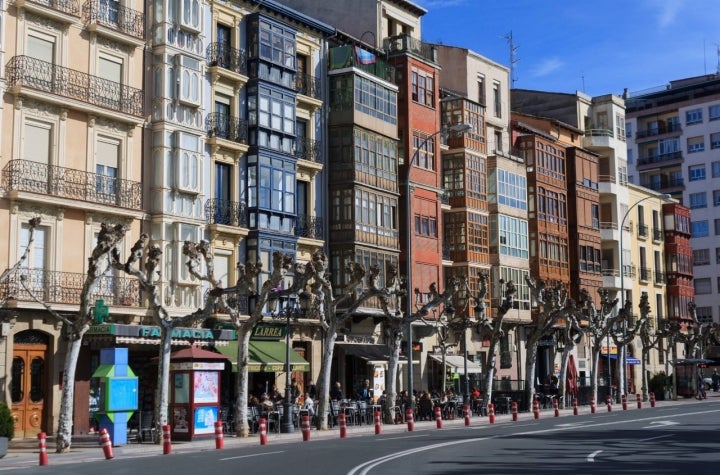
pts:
[195, 392]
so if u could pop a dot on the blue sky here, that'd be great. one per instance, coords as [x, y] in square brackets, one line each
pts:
[586, 45]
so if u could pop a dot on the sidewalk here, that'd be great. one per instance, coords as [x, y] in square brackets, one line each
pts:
[25, 452]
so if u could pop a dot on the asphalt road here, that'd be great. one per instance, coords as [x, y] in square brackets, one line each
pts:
[674, 439]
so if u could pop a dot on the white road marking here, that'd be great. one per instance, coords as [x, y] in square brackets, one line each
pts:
[661, 424]
[251, 455]
[404, 437]
[657, 437]
[591, 457]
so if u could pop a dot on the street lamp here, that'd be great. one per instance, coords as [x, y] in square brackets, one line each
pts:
[458, 128]
[289, 308]
[622, 348]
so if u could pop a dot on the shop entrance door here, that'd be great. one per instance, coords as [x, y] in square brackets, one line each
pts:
[27, 388]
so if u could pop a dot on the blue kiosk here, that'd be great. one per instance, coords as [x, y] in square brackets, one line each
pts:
[116, 392]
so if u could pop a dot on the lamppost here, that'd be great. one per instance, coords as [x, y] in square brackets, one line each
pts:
[622, 374]
[289, 308]
[458, 128]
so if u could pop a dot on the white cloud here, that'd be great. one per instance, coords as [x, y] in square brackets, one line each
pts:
[547, 66]
[668, 11]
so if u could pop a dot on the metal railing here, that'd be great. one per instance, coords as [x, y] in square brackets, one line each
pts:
[66, 288]
[309, 227]
[645, 273]
[230, 213]
[226, 57]
[307, 85]
[407, 44]
[598, 133]
[220, 125]
[71, 7]
[308, 149]
[36, 74]
[35, 177]
[662, 157]
[113, 15]
[642, 230]
[657, 234]
[660, 278]
[658, 131]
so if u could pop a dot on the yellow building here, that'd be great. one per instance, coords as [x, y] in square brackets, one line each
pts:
[72, 117]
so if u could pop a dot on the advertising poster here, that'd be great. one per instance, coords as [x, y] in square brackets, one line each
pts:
[205, 418]
[206, 387]
[180, 420]
[378, 382]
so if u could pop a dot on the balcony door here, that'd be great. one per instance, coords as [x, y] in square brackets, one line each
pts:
[33, 269]
[109, 86]
[41, 48]
[28, 383]
[223, 194]
[107, 152]
[37, 148]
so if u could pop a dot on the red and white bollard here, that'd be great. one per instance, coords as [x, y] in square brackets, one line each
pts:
[514, 411]
[42, 444]
[263, 431]
[378, 423]
[575, 407]
[536, 409]
[638, 400]
[343, 425]
[592, 405]
[556, 408]
[491, 413]
[609, 403]
[219, 441]
[624, 402]
[438, 417]
[305, 428]
[652, 399]
[410, 417]
[466, 414]
[167, 443]
[106, 444]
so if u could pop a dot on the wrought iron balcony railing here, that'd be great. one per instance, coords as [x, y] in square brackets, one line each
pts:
[642, 230]
[43, 76]
[230, 213]
[112, 14]
[651, 132]
[660, 278]
[71, 7]
[308, 149]
[309, 227]
[66, 288]
[645, 273]
[35, 177]
[227, 57]
[657, 234]
[307, 85]
[662, 157]
[405, 43]
[227, 127]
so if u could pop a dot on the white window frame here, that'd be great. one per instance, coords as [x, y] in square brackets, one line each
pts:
[693, 116]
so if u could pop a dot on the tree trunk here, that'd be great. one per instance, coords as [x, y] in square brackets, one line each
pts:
[562, 378]
[391, 376]
[242, 428]
[622, 348]
[594, 375]
[65, 422]
[530, 362]
[490, 369]
[162, 392]
[323, 383]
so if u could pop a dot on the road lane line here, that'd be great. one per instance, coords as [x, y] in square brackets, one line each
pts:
[656, 437]
[250, 455]
[405, 437]
[591, 457]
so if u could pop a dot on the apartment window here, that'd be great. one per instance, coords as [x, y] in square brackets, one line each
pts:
[693, 116]
[704, 314]
[497, 100]
[620, 126]
[717, 253]
[274, 111]
[696, 172]
[513, 233]
[717, 226]
[375, 213]
[715, 167]
[481, 90]
[423, 87]
[595, 213]
[425, 225]
[277, 44]
[375, 155]
[714, 112]
[41, 46]
[107, 155]
[37, 254]
[511, 189]
[37, 142]
[715, 140]
[716, 197]
[699, 229]
[703, 286]
[701, 257]
[374, 99]
[696, 144]
[425, 149]
[698, 200]
[628, 133]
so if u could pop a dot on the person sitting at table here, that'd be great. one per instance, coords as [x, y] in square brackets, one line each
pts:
[365, 393]
[274, 394]
[266, 404]
[336, 392]
[309, 405]
[425, 407]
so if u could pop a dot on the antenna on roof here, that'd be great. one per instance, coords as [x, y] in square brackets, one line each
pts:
[717, 69]
[513, 59]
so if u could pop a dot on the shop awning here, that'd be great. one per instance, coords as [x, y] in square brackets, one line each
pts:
[265, 356]
[373, 354]
[457, 362]
[629, 359]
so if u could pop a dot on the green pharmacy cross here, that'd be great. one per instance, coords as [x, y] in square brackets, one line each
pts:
[100, 311]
